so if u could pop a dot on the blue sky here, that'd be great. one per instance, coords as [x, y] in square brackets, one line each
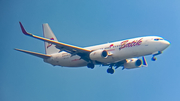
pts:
[82, 23]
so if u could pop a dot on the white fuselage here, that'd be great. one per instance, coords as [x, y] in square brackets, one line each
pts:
[118, 51]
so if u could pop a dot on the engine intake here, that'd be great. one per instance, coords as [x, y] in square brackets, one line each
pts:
[133, 63]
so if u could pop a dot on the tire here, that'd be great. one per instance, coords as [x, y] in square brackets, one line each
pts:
[154, 59]
[110, 70]
[90, 65]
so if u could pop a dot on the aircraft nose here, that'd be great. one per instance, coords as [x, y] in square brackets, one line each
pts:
[165, 43]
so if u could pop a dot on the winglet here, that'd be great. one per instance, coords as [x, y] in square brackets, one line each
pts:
[23, 30]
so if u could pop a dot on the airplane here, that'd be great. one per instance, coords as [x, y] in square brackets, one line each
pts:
[124, 53]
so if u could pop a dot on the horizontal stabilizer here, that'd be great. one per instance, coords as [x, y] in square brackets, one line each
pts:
[44, 56]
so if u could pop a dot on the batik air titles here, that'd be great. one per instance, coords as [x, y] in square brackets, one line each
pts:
[116, 54]
[126, 44]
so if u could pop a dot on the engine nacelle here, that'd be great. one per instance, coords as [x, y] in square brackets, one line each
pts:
[98, 55]
[133, 63]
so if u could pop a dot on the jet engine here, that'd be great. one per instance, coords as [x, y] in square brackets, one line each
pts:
[98, 55]
[133, 63]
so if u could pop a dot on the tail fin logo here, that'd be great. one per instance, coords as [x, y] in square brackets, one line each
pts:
[50, 44]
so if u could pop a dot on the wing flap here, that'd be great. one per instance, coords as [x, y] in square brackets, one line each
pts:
[44, 56]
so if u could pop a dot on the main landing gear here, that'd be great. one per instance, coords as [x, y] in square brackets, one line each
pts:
[90, 65]
[110, 70]
[154, 58]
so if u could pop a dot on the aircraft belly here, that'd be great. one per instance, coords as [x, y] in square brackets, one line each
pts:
[73, 61]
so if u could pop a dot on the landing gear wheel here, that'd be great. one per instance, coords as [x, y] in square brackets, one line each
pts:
[154, 59]
[90, 65]
[110, 70]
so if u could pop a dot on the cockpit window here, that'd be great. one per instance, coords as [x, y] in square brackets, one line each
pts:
[157, 39]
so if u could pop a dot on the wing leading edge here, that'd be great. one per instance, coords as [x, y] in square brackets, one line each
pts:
[74, 50]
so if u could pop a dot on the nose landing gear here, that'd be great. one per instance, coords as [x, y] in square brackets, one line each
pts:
[154, 58]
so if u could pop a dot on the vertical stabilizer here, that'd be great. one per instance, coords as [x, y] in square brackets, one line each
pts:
[47, 32]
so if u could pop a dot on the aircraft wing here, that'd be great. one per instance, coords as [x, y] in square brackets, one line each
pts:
[74, 50]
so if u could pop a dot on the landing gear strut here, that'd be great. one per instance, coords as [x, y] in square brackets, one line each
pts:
[90, 65]
[154, 58]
